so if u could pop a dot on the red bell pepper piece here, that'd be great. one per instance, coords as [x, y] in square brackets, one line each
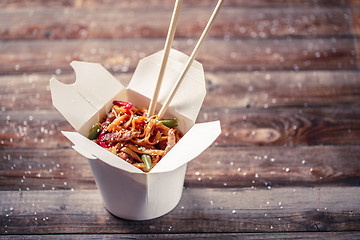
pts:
[101, 137]
[126, 105]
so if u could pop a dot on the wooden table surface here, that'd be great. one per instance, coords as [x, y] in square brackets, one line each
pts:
[282, 77]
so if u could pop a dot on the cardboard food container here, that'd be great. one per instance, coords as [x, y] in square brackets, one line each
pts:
[127, 191]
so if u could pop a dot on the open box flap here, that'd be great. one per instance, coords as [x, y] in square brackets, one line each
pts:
[93, 89]
[194, 142]
[191, 93]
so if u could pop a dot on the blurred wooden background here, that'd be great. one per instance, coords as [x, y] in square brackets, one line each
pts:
[282, 77]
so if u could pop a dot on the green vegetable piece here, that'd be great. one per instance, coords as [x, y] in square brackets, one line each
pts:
[94, 131]
[170, 122]
[147, 160]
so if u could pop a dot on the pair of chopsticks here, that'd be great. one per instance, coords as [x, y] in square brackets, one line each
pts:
[168, 43]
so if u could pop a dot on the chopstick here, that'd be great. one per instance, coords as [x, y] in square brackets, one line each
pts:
[167, 48]
[191, 59]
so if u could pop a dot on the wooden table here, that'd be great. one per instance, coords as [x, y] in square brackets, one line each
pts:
[282, 77]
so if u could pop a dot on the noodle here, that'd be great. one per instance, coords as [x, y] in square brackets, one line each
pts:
[139, 140]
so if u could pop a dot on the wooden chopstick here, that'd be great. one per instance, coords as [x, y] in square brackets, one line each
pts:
[167, 48]
[191, 59]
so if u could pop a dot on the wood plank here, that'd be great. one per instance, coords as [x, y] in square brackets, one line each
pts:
[266, 167]
[287, 127]
[44, 169]
[199, 236]
[223, 167]
[130, 22]
[357, 40]
[354, 3]
[278, 88]
[123, 54]
[199, 211]
[159, 3]
[355, 14]
[256, 89]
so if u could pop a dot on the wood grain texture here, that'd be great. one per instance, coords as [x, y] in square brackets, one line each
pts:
[282, 76]
[288, 127]
[200, 210]
[217, 167]
[123, 55]
[355, 13]
[272, 89]
[124, 22]
[137, 3]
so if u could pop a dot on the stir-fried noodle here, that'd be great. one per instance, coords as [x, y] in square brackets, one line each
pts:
[140, 140]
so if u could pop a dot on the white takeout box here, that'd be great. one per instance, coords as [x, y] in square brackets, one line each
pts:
[128, 192]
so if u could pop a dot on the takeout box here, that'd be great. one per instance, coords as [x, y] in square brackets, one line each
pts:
[127, 191]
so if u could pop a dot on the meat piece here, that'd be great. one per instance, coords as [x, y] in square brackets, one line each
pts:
[120, 136]
[171, 141]
[126, 157]
[109, 118]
